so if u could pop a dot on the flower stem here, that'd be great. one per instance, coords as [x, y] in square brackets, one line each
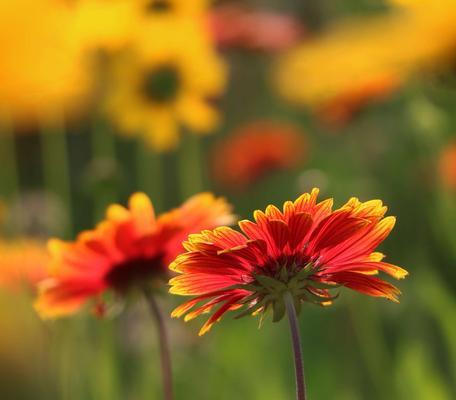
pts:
[191, 174]
[165, 356]
[297, 350]
[149, 168]
[56, 165]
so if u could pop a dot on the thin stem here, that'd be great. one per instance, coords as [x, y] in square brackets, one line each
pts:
[150, 173]
[55, 159]
[165, 356]
[103, 150]
[9, 174]
[190, 158]
[297, 350]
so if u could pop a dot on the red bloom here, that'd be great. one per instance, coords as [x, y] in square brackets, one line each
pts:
[305, 249]
[130, 248]
[238, 27]
[255, 150]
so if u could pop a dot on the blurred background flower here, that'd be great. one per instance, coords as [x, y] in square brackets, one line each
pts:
[167, 80]
[237, 27]
[40, 70]
[255, 150]
[370, 58]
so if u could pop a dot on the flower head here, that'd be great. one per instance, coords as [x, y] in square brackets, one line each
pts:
[256, 149]
[166, 82]
[130, 248]
[306, 249]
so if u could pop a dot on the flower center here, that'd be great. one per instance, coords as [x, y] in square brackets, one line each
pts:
[135, 272]
[161, 84]
[158, 6]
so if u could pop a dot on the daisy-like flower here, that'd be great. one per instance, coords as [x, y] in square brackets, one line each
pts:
[22, 262]
[255, 150]
[131, 248]
[284, 259]
[305, 250]
[166, 83]
[359, 61]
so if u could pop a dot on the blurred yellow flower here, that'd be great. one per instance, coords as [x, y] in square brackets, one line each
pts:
[166, 81]
[41, 64]
[358, 60]
[103, 23]
[121, 18]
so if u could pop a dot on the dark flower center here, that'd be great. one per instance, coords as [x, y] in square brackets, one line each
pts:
[161, 84]
[158, 6]
[135, 272]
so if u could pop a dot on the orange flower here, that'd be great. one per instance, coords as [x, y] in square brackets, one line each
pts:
[357, 61]
[255, 150]
[22, 262]
[447, 166]
[341, 109]
[131, 247]
[303, 250]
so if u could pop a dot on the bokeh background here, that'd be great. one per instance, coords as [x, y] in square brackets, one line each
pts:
[355, 97]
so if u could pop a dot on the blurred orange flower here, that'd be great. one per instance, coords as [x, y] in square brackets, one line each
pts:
[255, 150]
[41, 63]
[22, 262]
[131, 248]
[357, 61]
[238, 27]
[447, 166]
[304, 250]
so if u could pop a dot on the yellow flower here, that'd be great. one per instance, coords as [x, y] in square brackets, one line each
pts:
[41, 64]
[165, 81]
[102, 23]
[360, 59]
[179, 7]
[121, 18]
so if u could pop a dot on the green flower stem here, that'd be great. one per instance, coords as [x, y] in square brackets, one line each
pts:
[103, 147]
[149, 171]
[55, 160]
[165, 356]
[9, 184]
[297, 349]
[190, 166]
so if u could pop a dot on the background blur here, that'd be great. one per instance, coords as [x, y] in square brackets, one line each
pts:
[356, 97]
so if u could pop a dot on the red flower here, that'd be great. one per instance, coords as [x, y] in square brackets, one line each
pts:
[305, 249]
[255, 150]
[235, 26]
[130, 248]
